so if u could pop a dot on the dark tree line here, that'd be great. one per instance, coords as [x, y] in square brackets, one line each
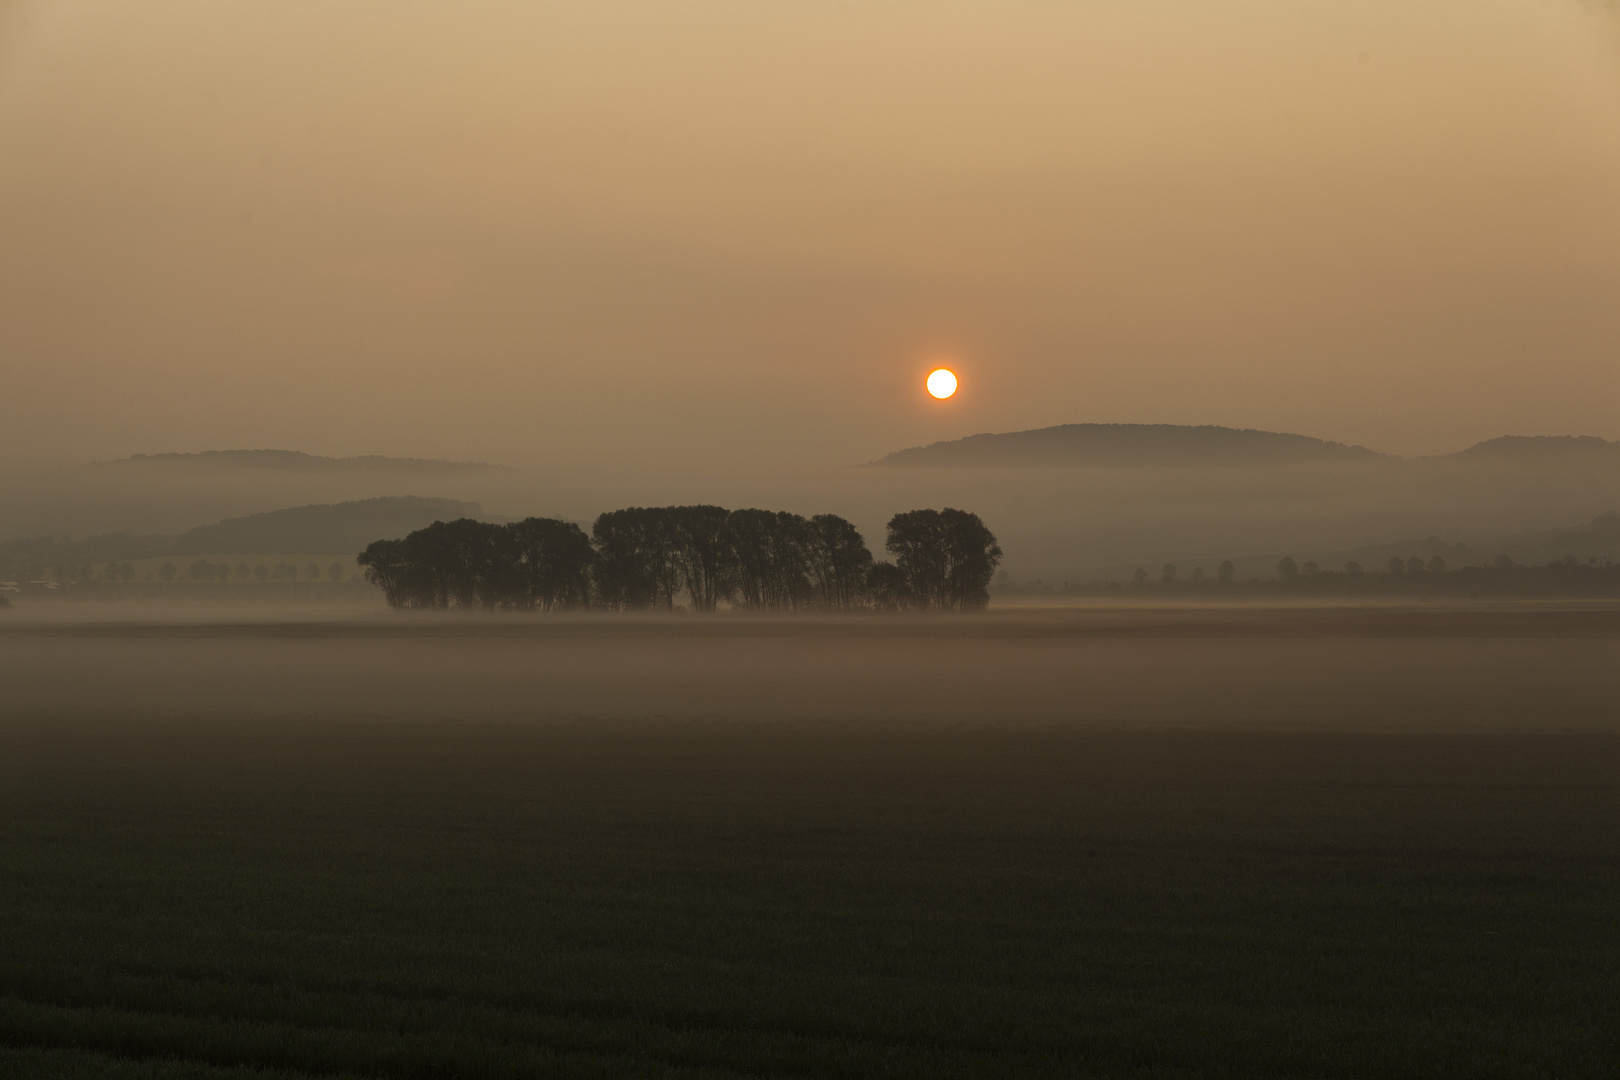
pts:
[1412, 576]
[536, 563]
[643, 558]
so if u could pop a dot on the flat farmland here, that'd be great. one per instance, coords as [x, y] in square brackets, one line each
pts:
[1336, 842]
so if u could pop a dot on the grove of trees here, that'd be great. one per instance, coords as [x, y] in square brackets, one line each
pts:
[644, 558]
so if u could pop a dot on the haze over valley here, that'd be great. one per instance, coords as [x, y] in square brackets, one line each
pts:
[1080, 503]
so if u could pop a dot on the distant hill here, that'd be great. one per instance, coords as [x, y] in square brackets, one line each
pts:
[1129, 444]
[45, 551]
[329, 529]
[1601, 534]
[294, 461]
[1541, 450]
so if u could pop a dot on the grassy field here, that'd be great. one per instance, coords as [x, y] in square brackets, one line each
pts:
[1297, 843]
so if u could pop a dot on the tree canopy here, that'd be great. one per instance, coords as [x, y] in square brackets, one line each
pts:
[642, 558]
[948, 558]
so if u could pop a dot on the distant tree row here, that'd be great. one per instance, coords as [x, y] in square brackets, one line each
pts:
[1503, 577]
[112, 572]
[643, 558]
[1288, 570]
[200, 570]
[203, 570]
[34, 558]
[1562, 577]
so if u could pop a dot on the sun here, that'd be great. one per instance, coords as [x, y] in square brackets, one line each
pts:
[941, 383]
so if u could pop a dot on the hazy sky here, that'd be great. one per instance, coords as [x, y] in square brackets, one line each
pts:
[700, 231]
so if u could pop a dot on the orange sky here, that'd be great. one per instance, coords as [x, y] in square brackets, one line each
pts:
[702, 232]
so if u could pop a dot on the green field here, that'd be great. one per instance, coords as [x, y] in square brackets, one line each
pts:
[284, 851]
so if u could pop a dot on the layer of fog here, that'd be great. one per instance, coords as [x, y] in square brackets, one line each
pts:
[985, 671]
[1080, 525]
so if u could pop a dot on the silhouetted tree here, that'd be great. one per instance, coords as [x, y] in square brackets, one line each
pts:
[554, 560]
[1414, 565]
[1139, 579]
[416, 572]
[1287, 569]
[1168, 574]
[949, 557]
[1352, 568]
[771, 558]
[837, 562]
[1197, 575]
[635, 563]
[888, 587]
[457, 561]
[705, 554]
[975, 554]
[1309, 568]
[385, 565]
[1437, 565]
[916, 540]
[1226, 572]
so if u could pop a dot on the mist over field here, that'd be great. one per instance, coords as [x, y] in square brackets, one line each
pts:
[1277, 841]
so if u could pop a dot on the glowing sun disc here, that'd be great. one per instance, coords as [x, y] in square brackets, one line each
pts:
[941, 383]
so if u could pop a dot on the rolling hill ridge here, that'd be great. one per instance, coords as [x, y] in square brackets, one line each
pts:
[1208, 445]
[344, 527]
[1128, 444]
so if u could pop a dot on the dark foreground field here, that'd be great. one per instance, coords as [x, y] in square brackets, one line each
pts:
[1288, 844]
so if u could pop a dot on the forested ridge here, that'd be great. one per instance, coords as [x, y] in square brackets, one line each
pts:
[644, 558]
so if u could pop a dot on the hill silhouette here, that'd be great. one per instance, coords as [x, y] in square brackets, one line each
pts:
[293, 461]
[1540, 450]
[1128, 444]
[1602, 532]
[329, 529]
